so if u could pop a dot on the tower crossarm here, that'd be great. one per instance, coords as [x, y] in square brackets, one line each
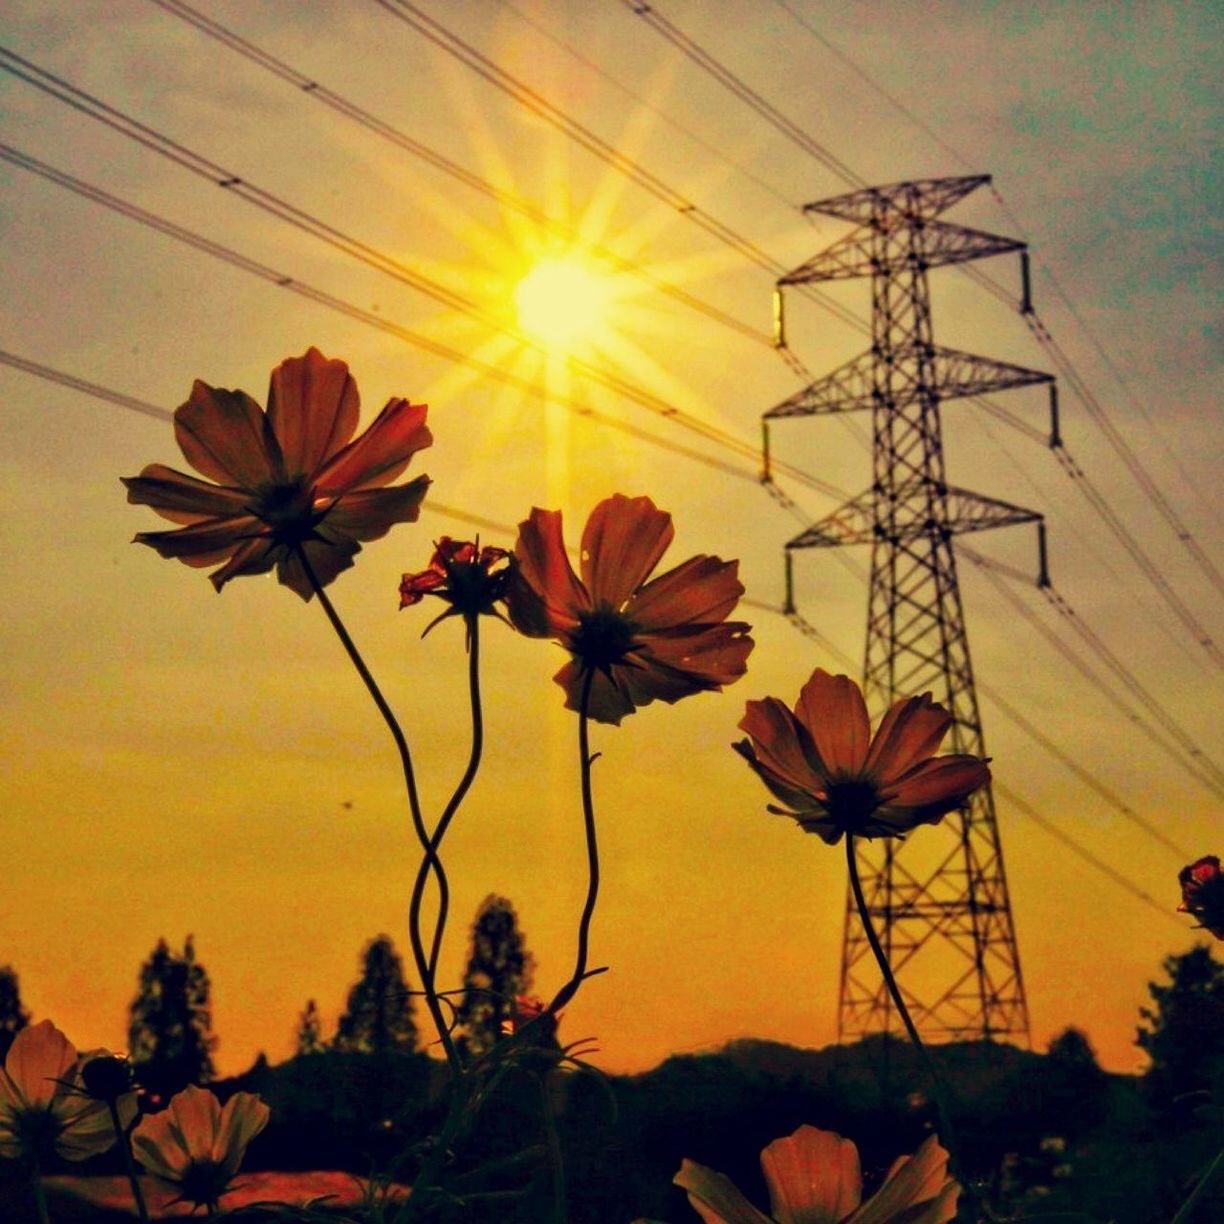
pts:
[924, 198]
[928, 244]
[947, 372]
[919, 512]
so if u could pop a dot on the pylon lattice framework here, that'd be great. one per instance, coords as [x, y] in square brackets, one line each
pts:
[939, 900]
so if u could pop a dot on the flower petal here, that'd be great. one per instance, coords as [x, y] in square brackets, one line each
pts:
[835, 715]
[945, 780]
[708, 656]
[242, 1118]
[608, 702]
[623, 541]
[813, 1177]
[182, 498]
[206, 542]
[778, 743]
[225, 435]
[312, 408]
[545, 593]
[799, 800]
[196, 1113]
[910, 732]
[39, 1055]
[368, 514]
[87, 1128]
[380, 454]
[920, 1182]
[715, 1197]
[326, 558]
[255, 556]
[702, 590]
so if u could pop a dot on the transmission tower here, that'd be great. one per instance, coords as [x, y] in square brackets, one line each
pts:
[939, 899]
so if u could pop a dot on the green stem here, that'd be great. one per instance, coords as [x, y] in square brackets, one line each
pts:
[567, 992]
[40, 1195]
[125, 1146]
[465, 783]
[556, 1159]
[1183, 1212]
[432, 862]
[947, 1133]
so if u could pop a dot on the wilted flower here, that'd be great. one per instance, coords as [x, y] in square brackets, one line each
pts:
[813, 1178]
[470, 579]
[1202, 885]
[639, 640]
[527, 1009]
[293, 478]
[43, 1103]
[835, 778]
[195, 1146]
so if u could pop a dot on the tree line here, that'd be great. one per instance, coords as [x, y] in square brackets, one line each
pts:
[170, 1035]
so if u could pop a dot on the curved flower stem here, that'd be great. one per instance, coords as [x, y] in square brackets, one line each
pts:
[465, 783]
[947, 1133]
[125, 1146]
[432, 861]
[567, 992]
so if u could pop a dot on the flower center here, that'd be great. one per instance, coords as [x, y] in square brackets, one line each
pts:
[288, 509]
[851, 802]
[603, 637]
[203, 1181]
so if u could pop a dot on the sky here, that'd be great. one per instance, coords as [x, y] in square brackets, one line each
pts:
[179, 762]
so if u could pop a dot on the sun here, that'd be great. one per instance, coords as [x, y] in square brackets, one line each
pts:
[561, 303]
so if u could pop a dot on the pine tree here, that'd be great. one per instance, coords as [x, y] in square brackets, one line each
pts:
[378, 1017]
[13, 1017]
[1184, 1033]
[309, 1039]
[499, 968]
[170, 1040]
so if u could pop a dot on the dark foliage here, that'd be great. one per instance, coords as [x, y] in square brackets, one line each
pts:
[499, 968]
[378, 1018]
[13, 1017]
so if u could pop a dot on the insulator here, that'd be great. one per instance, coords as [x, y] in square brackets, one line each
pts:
[779, 319]
[1055, 436]
[1026, 287]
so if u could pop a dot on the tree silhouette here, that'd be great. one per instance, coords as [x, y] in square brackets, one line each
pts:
[499, 967]
[309, 1039]
[170, 1040]
[1183, 1034]
[1074, 1087]
[378, 1018]
[13, 1017]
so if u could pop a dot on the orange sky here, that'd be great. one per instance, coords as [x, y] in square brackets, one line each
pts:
[177, 762]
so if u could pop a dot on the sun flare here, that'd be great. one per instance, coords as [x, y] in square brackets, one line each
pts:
[561, 303]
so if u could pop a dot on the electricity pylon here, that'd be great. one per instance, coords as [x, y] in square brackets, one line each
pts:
[939, 899]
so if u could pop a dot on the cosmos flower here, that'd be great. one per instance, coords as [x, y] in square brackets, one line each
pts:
[835, 778]
[1202, 885]
[639, 640]
[288, 479]
[814, 1178]
[471, 580]
[195, 1146]
[43, 1104]
[527, 1009]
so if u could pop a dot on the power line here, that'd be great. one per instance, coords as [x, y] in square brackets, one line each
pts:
[446, 40]
[408, 144]
[300, 288]
[746, 94]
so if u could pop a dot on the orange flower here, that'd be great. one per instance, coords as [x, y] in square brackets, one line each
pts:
[44, 1105]
[820, 763]
[195, 1146]
[813, 1178]
[1202, 885]
[291, 478]
[640, 640]
[471, 580]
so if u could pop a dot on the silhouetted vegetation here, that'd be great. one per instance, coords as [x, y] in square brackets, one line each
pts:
[13, 1017]
[499, 967]
[378, 1017]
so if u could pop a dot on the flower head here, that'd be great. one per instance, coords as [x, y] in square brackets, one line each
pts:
[530, 1009]
[814, 1178]
[195, 1146]
[1202, 884]
[638, 640]
[835, 777]
[290, 481]
[470, 579]
[44, 1105]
